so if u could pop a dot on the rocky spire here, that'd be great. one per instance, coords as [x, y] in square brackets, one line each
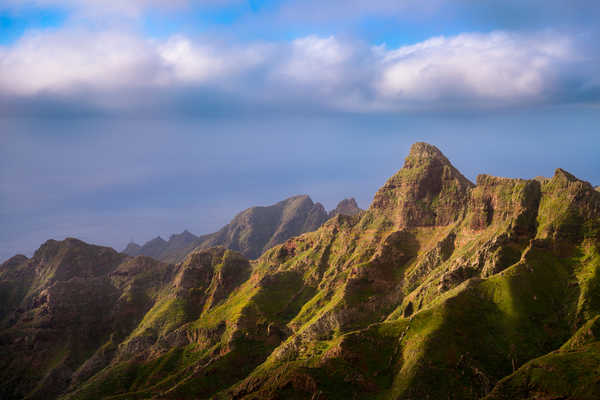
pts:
[427, 191]
[345, 207]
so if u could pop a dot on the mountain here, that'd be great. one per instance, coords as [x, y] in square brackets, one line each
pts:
[251, 232]
[441, 289]
[172, 250]
[132, 249]
[257, 229]
[345, 207]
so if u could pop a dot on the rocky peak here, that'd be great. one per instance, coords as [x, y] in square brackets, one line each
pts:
[257, 229]
[182, 239]
[53, 248]
[566, 201]
[562, 175]
[69, 258]
[182, 236]
[427, 191]
[345, 207]
[337, 311]
[157, 240]
[422, 153]
[132, 249]
[154, 247]
[299, 197]
[567, 181]
[13, 262]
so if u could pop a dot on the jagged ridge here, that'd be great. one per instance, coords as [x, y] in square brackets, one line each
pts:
[251, 232]
[440, 289]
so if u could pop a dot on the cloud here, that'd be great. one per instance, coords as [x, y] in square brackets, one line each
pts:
[316, 60]
[202, 62]
[116, 70]
[498, 67]
[66, 59]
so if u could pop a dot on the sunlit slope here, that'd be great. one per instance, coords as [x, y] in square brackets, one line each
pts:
[441, 289]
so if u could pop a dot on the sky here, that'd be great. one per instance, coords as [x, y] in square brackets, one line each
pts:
[123, 120]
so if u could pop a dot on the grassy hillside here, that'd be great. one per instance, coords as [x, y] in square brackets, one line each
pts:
[441, 289]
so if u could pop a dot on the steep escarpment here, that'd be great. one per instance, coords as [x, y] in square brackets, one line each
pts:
[441, 289]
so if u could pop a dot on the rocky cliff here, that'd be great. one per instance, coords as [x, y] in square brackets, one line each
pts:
[441, 289]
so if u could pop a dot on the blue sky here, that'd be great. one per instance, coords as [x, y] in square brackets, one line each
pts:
[123, 120]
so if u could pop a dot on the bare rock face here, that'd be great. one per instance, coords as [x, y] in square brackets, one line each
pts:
[495, 200]
[427, 191]
[345, 207]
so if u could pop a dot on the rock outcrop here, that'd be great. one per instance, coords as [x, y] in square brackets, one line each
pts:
[345, 207]
[427, 191]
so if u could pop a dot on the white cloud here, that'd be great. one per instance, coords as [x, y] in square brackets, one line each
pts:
[63, 60]
[315, 60]
[191, 62]
[203, 62]
[496, 66]
[496, 69]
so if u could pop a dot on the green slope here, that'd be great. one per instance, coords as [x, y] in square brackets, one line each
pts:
[441, 289]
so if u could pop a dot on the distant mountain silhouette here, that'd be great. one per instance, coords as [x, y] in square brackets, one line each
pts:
[251, 232]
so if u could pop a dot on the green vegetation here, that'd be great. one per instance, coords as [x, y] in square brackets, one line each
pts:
[442, 289]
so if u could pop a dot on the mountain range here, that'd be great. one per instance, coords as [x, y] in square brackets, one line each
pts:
[441, 289]
[251, 232]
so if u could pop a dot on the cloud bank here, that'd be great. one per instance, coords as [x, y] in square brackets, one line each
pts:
[497, 69]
